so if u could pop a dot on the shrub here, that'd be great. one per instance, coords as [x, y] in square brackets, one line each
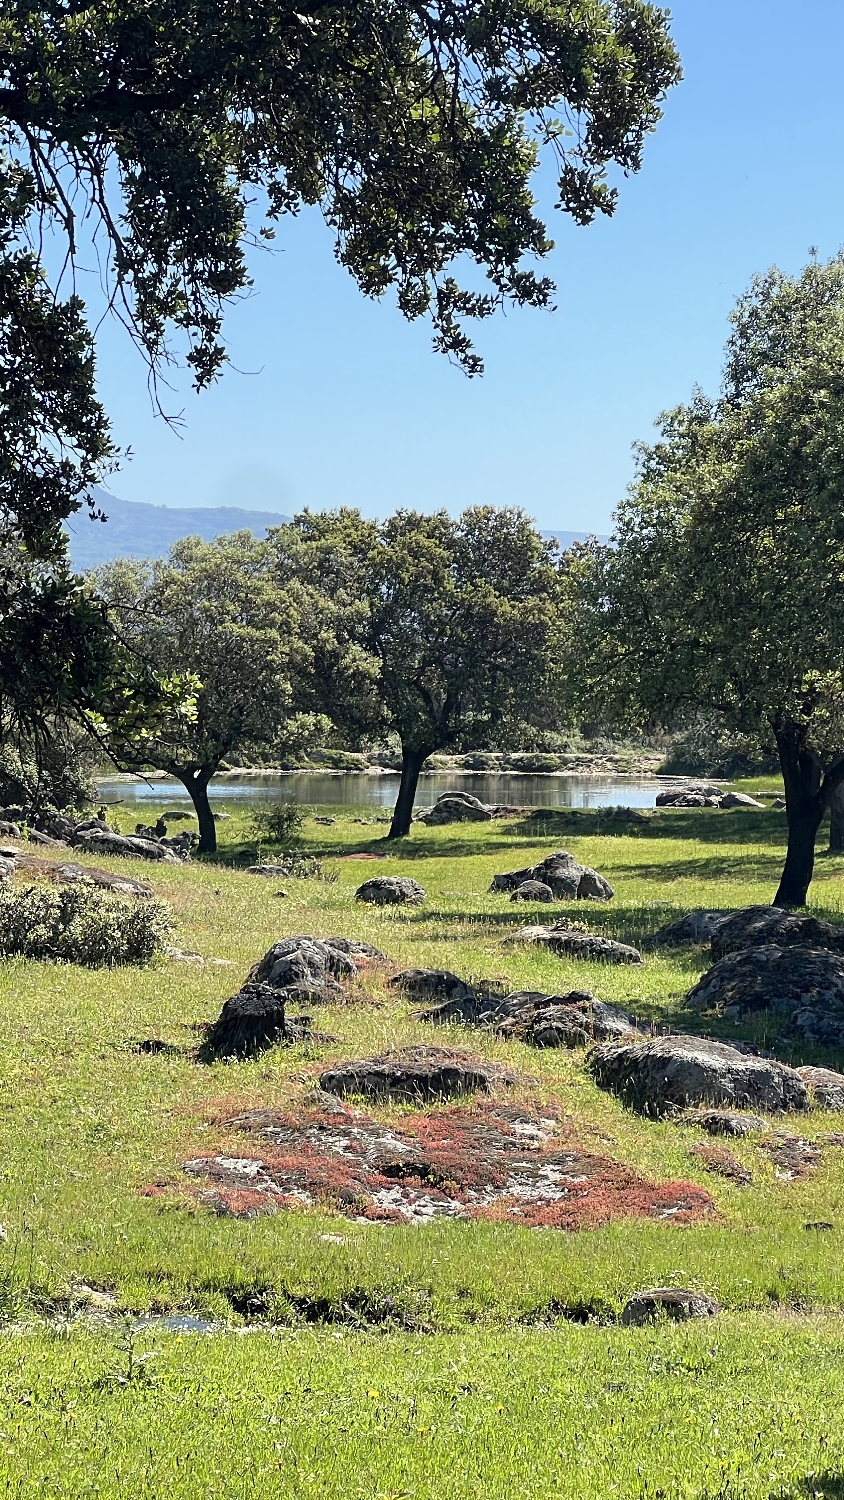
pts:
[279, 823]
[80, 924]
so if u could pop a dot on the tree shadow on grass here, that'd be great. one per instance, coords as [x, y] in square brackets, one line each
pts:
[823, 1486]
[709, 825]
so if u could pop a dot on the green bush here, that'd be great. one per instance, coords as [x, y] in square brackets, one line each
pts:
[80, 924]
[279, 823]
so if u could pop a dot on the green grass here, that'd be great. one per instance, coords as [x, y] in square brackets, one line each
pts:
[86, 1121]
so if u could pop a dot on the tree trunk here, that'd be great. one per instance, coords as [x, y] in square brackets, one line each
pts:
[195, 779]
[805, 806]
[836, 821]
[412, 762]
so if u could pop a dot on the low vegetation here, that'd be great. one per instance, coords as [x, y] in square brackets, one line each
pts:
[78, 924]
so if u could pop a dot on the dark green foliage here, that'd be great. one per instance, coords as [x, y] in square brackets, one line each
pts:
[415, 128]
[279, 823]
[80, 924]
[56, 769]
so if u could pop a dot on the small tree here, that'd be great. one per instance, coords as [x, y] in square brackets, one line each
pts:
[723, 588]
[451, 626]
[212, 611]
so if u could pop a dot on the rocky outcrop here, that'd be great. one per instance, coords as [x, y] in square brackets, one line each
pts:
[391, 890]
[756, 926]
[695, 794]
[252, 1021]
[826, 1088]
[740, 799]
[576, 1019]
[431, 984]
[674, 1073]
[124, 885]
[724, 1121]
[416, 1075]
[104, 841]
[802, 987]
[309, 969]
[694, 927]
[674, 1302]
[568, 943]
[564, 875]
[462, 807]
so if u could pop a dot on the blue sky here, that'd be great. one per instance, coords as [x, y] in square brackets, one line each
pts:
[335, 400]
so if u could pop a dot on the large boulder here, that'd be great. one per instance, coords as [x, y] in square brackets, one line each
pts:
[431, 984]
[104, 841]
[124, 885]
[533, 890]
[694, 927]
[415, 1075]
[674, 1302]
[675, 1073]
[576, 1019]
[563, 874]
[252, 1021]
[308, 969]
[740, 799]
[568, 943]
[802, 987]
[754, 926]
[391, 890]
[826, 1088]
[457, 807]
[693, 795]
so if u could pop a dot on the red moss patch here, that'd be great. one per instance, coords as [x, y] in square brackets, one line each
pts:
[481, 1161]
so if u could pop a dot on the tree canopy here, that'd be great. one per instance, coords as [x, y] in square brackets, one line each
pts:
[173, 128]
[451, 627]
[722, 588]
[212, 612]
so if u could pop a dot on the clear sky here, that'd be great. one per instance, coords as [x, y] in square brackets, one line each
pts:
[335, 400]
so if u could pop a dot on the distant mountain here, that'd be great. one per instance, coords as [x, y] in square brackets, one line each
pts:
[137, 530]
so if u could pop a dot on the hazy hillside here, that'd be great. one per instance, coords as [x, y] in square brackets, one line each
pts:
[137, 530]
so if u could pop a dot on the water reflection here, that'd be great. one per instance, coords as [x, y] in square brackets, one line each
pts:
[344, 789]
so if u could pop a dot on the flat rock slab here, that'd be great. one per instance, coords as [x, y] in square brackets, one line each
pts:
[826, 1088]
[724, 1122]
[802, 987]
[391, 890]
[694, 927]
[666, 1074]
[566, 878]
[757, 926]
[671, 1302]
[487, 1160]
[68, 872]
[721, 1162]
[416, 1075]
[576, 1019]
[572, 944]
[791, 1155]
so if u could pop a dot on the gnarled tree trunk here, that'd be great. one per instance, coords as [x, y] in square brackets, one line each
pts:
[836, 820]
[808, 793]
[195, 779]
[412, 762]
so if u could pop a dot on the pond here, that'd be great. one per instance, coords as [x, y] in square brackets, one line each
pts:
[353, 789]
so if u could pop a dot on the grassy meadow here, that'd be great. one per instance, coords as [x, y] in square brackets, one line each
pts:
[381, 1361]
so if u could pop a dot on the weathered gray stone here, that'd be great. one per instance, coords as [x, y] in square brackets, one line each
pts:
[415, 1075]
[456, 807]
[252, 1021]
[724, 1121]
[670, 1073]
[754, 926]
[124, 885]
[570, 944]
[576, 1019]
[802, 987]
[676, 1303]
[431, 984]
[739, 799]
[533, 890]
[391, 890]
[826, 1088]
[695, 794]
[9, 831]
[563, 874]
[98, 841]
[694, 927]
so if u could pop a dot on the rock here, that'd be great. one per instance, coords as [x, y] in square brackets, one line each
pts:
[430, 984]
[570, 944]
[533, 890]
[123, 885]
[740, 799]
[791, 1155]
[669, 1073]
[307, 969]
[415, 1075]
[270, 872]
[719, 1160]
[252, 1021]
[564, 875]
[724, 1122]
[180, 843]
[98, 841]
[391, 890]
[573, 1020]
[326, 822]
[155, 831]
[361, 953]
[754, 926]
[802, 987]
[456, 807]
[672, 1302]
[693, 795]
[36, 837]
[779, 803]
[826, 1088]
[8, 865]
[9, 831]
[694, 927]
